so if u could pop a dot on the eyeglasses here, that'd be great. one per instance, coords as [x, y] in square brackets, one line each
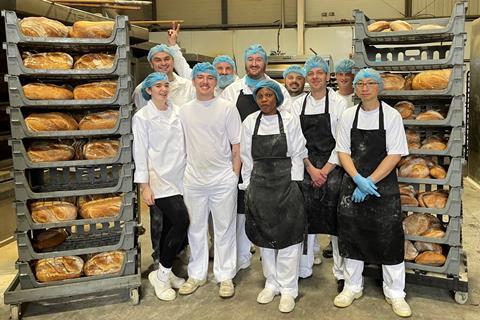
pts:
[367, 84]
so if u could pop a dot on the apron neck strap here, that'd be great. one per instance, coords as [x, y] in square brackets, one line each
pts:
[304, 104]
[327, 104]
[381, 125]
[280, 123]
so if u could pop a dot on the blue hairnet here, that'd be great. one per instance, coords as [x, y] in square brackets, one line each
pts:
[272, 85]
[204, 67]
[345, 66]
[255, 49]
[226, 59]
[159, 48]
[150, 80]
[316, 62]
[294, 69]
[371, 74]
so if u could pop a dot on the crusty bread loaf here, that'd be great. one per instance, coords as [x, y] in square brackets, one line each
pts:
[95, 90]
[406, 200]
[42, 27]
[430, 27]
[429, 116]
[434, 145]
[48, 60]
[51, 121]
[91, 29]
[101, 208]
[414, 169]
[399, 25]
[434, 233]
[100, 149]
[407, 189]
[418, 223]
[59, 268]
[410, 251]
[432, 80]
[427, 246]
[412, 136]
[99, 120]
[378, 26]
[408, 82]
[95, 61]
[392, 81]
[431, 258]
[43, 91]
[104, 263]
[50, 151]
[49, 238]
[52, 211]
[406, 109]
[437, 172]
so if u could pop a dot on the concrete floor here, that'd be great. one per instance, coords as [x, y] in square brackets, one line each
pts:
[314, 302]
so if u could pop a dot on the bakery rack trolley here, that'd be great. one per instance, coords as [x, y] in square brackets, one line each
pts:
[75, 178]
[406, 52]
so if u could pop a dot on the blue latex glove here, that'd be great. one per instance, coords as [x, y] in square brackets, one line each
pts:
[358, 195]
[366, 185]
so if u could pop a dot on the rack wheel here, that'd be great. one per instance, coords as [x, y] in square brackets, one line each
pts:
[15, 311]
[461, 297]
[134, 296]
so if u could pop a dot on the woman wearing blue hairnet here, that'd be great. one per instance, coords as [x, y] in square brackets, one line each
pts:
[159, 153]
[370, 142]
[272, 153]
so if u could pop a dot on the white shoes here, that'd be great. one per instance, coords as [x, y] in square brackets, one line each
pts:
[400, 307]
[227, 289]
[244, 265]
[191, 286]
[266, 296]
[287, 303]
[317, 259]
[175, 282]
[346, 298]
[163, 290]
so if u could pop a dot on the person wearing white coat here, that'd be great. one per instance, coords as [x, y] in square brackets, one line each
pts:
[159, 154]
[344, 75]
[212, 129]
[294, 79]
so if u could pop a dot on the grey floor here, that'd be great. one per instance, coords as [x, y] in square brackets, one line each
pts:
[315, 301]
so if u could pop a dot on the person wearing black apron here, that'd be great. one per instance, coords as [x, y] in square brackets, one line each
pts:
[272, 150]
[370, 142]
[319, 113]
[240, 92]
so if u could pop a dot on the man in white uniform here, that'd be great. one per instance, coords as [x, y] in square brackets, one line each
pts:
[294, 78]
[212, 129]
[344, 75]
[161, 59]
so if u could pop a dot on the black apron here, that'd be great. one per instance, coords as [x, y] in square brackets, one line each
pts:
[371, 230]
[246, 105]
[320, 203]
[274, 212]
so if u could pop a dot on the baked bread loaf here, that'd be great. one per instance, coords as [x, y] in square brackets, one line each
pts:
[95, 90]
[406, 109]
[52, 211]
[432, 80]
[95, 61]
[48, 60]
[437, 172]
[431, 258]
[43, 91]
[59, 268]
[434, 145]
[407, 189]
[392, 81]
[101, 208]
[427, 246]
[92, 29]
[430, 115]
[50, 121]
[413, 138]
[99, 120]
[415, 168]
[42, 27]
[410, 201]
[104, 263]
[410, 251]
[50, 151]
[100, 149]
[430, 27]
[434, 233]
[418, 223]
[408, 81]
[378, 26]
[399, 25]
[49, 238]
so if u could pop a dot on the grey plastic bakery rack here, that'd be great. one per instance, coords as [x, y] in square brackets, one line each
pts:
[452, 234]
[453, 178]
[454, 144]
[452, 207]
[454, 118]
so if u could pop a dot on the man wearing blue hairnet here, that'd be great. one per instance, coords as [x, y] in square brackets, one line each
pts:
[344, 75]
[294, 79]
[161, 59]
[212, 130]
[319, 113]
[226, 68]
[370, 142]
[241, 93]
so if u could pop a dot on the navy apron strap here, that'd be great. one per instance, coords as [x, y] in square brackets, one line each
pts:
[327, 102]
[355, 120]
[257, 123]
[381, 124]
[304, 104]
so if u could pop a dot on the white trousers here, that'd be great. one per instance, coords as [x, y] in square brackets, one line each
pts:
[243, 243]
[338, 260]
[221, 201]
[306, 260]
[393, 278]
[280, 268]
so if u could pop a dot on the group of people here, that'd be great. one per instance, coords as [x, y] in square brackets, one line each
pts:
[273, 166]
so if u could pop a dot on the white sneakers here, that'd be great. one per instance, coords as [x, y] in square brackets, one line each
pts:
[175, 282]
[317, 259]
[227, 289]
[346, 298]
[191, 286]
[266, 296]
[163, 289]
[400, 307]
[287, 303]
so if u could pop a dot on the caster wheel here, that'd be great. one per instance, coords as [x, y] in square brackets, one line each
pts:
[15, 311]
[134, 296]
[461, 297]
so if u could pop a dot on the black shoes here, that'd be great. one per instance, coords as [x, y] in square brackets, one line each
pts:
[328, 252]
[340, 285]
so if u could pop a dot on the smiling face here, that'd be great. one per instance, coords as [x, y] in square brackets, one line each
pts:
[345, 80]
[255, 66]
[367, 89]
[204, 84]
[224, 68]
[317, 79]
[159, 91]
[267, 101]
[162, 62]
[294, 84]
